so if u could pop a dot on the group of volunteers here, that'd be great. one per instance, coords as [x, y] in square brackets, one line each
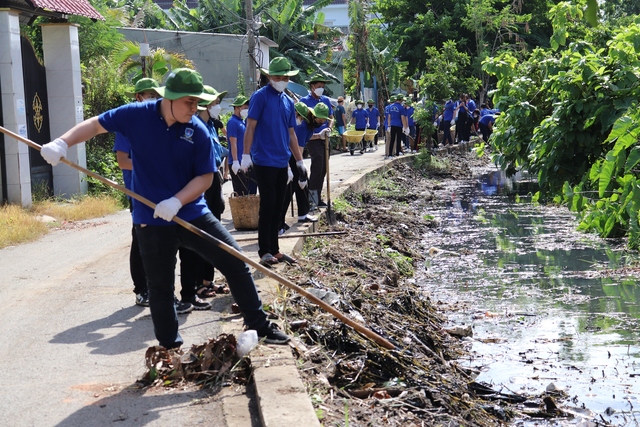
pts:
[467, 118]
[168, 147]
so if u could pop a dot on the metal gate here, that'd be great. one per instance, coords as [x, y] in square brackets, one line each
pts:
[37, 112]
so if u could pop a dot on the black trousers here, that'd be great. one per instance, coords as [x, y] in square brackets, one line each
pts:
[396, 141]
[318, 172]
[302, 197]
[272, 184]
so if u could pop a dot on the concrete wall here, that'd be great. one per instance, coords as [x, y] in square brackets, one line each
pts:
[215, 56]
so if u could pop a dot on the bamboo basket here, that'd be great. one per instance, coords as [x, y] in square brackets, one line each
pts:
[245, 211]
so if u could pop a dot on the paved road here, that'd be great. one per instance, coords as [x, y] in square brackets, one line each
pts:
[74, 342]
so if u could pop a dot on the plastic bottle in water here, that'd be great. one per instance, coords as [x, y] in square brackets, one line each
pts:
[246, 341]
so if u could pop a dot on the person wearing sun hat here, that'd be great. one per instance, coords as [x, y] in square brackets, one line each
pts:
[374, 121]
[269, 142]
[397, 122]
[243, 183]
[316, 145]
[173, 164]
[143, 91]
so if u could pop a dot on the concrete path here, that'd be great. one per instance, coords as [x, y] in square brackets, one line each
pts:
[74, 342]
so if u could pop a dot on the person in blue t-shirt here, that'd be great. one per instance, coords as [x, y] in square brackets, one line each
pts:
[341, 121]
[446, 123]
[397, 123]
[143, 91]
[269, 141]
[173, 164]
[410, 139]
[360, 115]
[374, 121]
[485, 124]
[243, 184]
[317, 144]
[484, 110]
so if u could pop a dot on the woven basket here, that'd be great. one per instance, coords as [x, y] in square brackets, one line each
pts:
[245, 211]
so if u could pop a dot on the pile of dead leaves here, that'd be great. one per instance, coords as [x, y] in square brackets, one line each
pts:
[211, 364]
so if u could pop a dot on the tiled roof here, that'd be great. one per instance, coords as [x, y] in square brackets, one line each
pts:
[70, 7]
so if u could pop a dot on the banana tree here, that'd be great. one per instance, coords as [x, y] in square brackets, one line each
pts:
[127, 54]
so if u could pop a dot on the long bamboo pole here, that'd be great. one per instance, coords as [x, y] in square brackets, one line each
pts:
[229, 249]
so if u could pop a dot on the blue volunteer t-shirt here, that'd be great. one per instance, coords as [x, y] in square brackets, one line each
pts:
[409, 113]
[165, 159]
[471, 105]
[374, 117]
[122, 144]
[486, 119]
[447, 114]
[339, 112]
[361, 117]
[311, 102]
[303, 133]
[386, 114]
[236, 128]
[215, 141]
[396, 111]
[275, 113]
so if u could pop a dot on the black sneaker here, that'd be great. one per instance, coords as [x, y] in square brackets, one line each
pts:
[142, 300]
[271, 334]
[183, 307]
[322, 204]
[199, 304]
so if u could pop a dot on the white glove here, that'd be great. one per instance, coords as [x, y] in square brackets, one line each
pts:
[167, 208]
[389, 129]
[325, 132]
[453, 122]
[405, 131]
[235, 167]
[246, 163]
[53, 151]
[302, 184]
[289, 176]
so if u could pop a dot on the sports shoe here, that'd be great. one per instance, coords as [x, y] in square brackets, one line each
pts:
[199, 304]
[308, 218]
[322, 204]
[271, 334]
[142, 300]
[183, 307]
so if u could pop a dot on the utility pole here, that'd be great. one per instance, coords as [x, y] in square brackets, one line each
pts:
[251, 42]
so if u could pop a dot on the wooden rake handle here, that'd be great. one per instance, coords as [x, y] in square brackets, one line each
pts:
[229, 249]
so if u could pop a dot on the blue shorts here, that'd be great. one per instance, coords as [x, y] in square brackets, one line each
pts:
[340, 130]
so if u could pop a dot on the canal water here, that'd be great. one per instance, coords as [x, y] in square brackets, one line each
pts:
[544, 308]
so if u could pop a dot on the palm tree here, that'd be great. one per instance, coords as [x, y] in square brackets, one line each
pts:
[156, 65]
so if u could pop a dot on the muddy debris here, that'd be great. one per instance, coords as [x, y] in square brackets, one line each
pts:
[369, 274]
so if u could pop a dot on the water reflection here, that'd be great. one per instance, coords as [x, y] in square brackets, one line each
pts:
[532, 282]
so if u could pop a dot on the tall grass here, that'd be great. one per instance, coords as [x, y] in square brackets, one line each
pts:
[78, 209]
[18, 225]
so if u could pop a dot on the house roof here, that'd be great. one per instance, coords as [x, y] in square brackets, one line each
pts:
[57, 9]
[69, 7]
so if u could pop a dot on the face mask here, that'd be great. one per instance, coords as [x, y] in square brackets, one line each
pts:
[215, 110]
[359, 106]
[279, 86]
[244, 114]
[318, 91]
[370, 106]
[298, 121]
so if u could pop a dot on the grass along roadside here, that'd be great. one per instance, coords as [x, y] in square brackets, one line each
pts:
[21, 225]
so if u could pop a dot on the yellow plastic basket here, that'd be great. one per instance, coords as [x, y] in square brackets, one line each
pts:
[352, 136]
[370, 134]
